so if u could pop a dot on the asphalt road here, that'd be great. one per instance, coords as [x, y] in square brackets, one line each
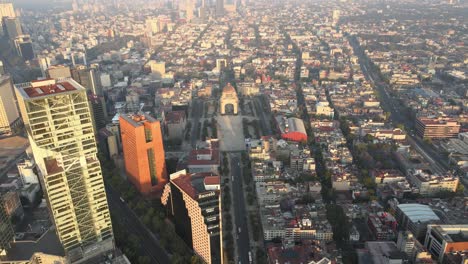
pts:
[264, 120]
[240, 212]
[397, 116]
[149, 245]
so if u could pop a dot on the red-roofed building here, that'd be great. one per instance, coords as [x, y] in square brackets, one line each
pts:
[194, 202]
[206, 159]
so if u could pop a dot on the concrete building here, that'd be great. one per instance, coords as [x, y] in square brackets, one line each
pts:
[143, 152]
[88, 78]
[9, 115]
[59, 126]
[6, 230]
[12, 27]
[6, 10]
[24, 48]
[194, 201]
[382, 225]
[219, 7]
[415, 218]
[152, 26]
[58, 71]
[429, 184]
[415, 251]
[156, 67]
[205, 159]
[12, 205]
[383, 252]
[175, 122]
[446, 239]
[437, 127]
[27, 171]
[324, 109]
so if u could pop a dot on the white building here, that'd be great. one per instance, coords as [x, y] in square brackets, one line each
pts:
[60, 131]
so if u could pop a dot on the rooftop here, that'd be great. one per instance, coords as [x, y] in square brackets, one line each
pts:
[41, 88]
[138, 119]
[418, 212]
[194, 184]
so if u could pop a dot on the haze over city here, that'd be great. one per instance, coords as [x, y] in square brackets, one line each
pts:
[233, 131]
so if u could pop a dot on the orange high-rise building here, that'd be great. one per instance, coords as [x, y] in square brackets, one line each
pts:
[143, 152]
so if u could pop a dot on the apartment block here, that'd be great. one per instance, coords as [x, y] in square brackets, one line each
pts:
[437, 127]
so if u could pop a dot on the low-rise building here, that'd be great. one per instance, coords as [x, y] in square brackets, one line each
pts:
[206, 158]
[437, 127]
[430, 184]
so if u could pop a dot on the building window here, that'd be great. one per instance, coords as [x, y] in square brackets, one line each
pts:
[148, 135]
[152, 166]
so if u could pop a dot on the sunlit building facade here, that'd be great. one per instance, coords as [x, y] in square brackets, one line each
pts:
[58, 121]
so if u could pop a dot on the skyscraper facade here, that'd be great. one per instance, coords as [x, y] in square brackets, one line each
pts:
[24, 48]
[9, 115]
[143, 152]
[219, 7]
[12, 27]
[57, 117]
[6, 10]
[6, 230]
[194, 201]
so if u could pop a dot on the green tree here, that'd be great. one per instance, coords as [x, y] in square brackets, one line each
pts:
[196, 260]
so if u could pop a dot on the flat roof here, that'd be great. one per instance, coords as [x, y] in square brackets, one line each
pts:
[418, 212]
[194, 184]
[47, 87]
[138, 119]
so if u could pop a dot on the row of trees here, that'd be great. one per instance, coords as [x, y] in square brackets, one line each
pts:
[151, 213]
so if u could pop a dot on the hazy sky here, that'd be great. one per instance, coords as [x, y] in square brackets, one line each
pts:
[39, 3]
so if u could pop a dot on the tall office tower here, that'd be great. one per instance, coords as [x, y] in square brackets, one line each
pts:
[194, 201]
[58, 122]
[44, 64]
[75, 6]
[88, 78]
[189, 8]
[6, 10]
[12, 27]
[219, 7]
[143, 152]
[152, 26]
[97, 104]
[9, 115]
[335, 16]
[24, 47]
[6, 230]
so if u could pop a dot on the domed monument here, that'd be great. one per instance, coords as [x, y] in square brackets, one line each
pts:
[229, 101]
